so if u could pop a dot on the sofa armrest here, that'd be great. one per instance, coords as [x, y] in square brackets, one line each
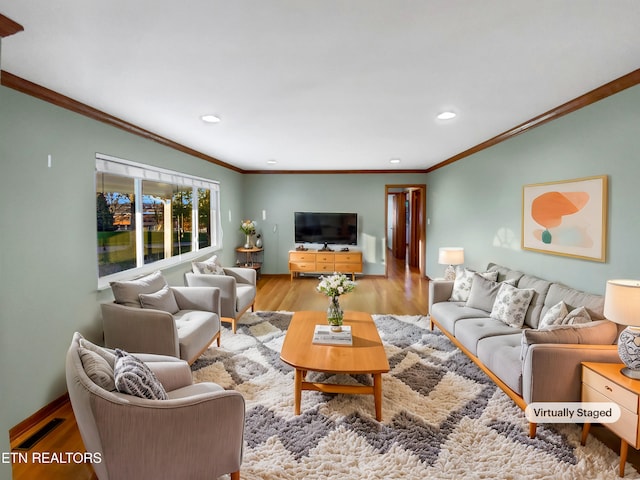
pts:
[206, 299]
[439, 291]
[553, 372]
[135, 434]
[139, 330]
[242, 275]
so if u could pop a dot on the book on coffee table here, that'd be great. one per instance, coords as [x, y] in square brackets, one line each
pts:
[322, 335]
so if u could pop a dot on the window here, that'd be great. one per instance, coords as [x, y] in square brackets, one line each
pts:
[151, 216]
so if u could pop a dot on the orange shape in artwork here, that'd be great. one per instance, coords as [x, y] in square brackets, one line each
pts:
[549, 208]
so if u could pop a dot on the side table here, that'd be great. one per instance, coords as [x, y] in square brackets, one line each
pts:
[603, 382]
[251, 258]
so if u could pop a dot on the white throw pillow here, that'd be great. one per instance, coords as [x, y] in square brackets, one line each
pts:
[208, 267]
[554, 316]
[577, 316]
[163, 299]
[511, 305]
[464, 280]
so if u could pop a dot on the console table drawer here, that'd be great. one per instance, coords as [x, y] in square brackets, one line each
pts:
[325, 257]
[302, 266]
[348, 258]
[610, 390]
[324, 267]
[349, 267]
[302, 257]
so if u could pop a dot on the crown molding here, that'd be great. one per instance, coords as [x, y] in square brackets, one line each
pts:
[595, 95]
[9, 27]
[332, 172]
[14, 82]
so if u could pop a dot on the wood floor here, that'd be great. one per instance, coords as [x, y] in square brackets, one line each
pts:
[403, 292]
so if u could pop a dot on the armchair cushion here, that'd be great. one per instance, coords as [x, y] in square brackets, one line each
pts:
[208, 267]
[127, 292]
[108, 355]
[163, 299]
[132, 376]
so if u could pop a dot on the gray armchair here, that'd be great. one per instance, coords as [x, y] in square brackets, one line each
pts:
[237, 290]
[149, 316]
[197, 433]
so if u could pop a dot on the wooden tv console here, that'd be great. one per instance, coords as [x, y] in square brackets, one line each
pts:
[323, 261]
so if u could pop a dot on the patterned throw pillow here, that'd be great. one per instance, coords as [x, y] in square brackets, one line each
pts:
[577, 316]
[464, 280]
[163, 300]
[511, 305]
[132, 376]
[554, 316]
[208, 267]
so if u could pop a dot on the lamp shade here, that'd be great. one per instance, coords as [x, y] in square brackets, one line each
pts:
[622, 302]
[451, 256]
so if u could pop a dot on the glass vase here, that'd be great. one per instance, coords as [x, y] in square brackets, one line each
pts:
[335, 315]
[247, 244]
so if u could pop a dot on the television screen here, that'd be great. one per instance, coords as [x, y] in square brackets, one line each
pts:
[317, 227]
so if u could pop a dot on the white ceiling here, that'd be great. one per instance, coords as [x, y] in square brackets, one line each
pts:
[323, 84]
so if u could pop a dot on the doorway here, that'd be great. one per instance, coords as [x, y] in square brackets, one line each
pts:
[405, 213]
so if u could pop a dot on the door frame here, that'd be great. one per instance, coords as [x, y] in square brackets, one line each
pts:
[421, 219]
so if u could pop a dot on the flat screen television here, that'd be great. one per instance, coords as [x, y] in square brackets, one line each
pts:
[324, 227]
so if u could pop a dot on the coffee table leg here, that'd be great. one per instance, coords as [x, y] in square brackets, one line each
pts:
[377, 395]
[297, 390]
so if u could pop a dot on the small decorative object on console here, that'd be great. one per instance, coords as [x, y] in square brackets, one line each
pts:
[334, 286]
[622, 305]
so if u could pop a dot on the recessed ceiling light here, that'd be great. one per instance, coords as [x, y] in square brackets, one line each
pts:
[394, 160]
[271, 162]
[446, 115]
[210, 118]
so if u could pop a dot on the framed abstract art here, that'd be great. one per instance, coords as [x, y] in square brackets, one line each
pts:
[567, 217]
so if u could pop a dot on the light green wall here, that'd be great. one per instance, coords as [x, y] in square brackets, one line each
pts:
[48, 244]
[281, 195]
[476, 202]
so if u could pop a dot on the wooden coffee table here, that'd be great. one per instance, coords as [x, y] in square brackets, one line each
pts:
[365, 356]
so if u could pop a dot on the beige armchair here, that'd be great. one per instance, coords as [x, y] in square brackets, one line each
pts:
[197, 433]
[237, 290]
[150, 316]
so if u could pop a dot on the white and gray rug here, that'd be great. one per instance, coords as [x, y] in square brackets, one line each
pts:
[443, 417]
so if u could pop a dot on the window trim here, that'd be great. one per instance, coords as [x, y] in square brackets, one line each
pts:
[140, 172]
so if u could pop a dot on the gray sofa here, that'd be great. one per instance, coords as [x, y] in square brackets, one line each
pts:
[529, 364]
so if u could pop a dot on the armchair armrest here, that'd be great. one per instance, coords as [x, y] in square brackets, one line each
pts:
[553, 372]
[204, 298]
[135, 434]
[226, 284]
[128, 328]
[242, 275]
[173, 373]
[439, 291]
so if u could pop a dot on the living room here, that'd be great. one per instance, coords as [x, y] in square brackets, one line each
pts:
[49, 269]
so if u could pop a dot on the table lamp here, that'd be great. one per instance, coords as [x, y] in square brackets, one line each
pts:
[622, 305]
[450, 256]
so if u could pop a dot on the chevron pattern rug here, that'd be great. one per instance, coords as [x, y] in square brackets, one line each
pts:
[443, 418]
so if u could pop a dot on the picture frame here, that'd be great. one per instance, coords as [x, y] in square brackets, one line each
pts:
[567, 217]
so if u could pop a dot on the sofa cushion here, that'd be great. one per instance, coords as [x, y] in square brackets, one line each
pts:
[127, 292]
[464, 281]
[600, 332]
[133, 377]
[554, 316]
[573, 298]
[108, 355]
[511, 305]
[97, 368]
[505, 273]
[163, 300]
[469, 331]
[448, 313]
[501, 355]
